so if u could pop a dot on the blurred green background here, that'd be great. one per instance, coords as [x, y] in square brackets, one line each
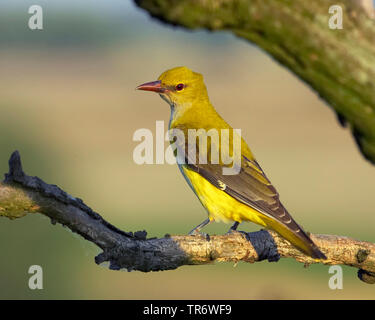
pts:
[68, 104]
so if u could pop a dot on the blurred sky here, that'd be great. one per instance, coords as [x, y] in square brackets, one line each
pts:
[68, 104]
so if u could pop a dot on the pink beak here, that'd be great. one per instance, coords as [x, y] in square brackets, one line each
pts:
[154, 86]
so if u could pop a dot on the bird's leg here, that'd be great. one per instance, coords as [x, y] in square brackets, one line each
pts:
[233, 227]
[199, 226]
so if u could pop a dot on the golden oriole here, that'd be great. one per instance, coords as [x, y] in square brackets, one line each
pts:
[245, 196]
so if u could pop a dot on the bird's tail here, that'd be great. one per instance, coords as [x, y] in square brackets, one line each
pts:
[296, 236]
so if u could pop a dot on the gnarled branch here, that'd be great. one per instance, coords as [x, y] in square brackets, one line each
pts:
[339, 64]
[21, 194]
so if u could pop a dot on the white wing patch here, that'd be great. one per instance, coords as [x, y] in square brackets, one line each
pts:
[222, 185]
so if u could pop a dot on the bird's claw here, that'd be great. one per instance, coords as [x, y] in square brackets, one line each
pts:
[232, 231]
[233, 228]
[201, 234]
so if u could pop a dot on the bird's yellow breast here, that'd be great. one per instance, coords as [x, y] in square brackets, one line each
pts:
[220, 205]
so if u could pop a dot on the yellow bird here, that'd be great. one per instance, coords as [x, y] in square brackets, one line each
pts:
[247, 195]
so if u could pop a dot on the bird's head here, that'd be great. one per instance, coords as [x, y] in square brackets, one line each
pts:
[178, 86]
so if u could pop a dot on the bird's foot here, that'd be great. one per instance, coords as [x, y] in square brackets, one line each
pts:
[231, 231]
[199, 227]
[201, 234]
[233, 228]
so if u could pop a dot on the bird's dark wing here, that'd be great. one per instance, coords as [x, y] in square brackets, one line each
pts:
[250, 186]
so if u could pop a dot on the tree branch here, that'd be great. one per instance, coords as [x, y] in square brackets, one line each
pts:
[21, 194]
[338, 64]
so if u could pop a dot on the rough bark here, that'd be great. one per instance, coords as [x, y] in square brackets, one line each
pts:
[21, 194]
[338, 64]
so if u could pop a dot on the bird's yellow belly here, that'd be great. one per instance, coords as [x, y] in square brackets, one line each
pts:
[220, 205]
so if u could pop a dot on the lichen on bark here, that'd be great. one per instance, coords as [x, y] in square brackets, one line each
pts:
[15, 203]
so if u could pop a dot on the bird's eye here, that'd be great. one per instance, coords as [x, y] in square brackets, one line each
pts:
[180, 86]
